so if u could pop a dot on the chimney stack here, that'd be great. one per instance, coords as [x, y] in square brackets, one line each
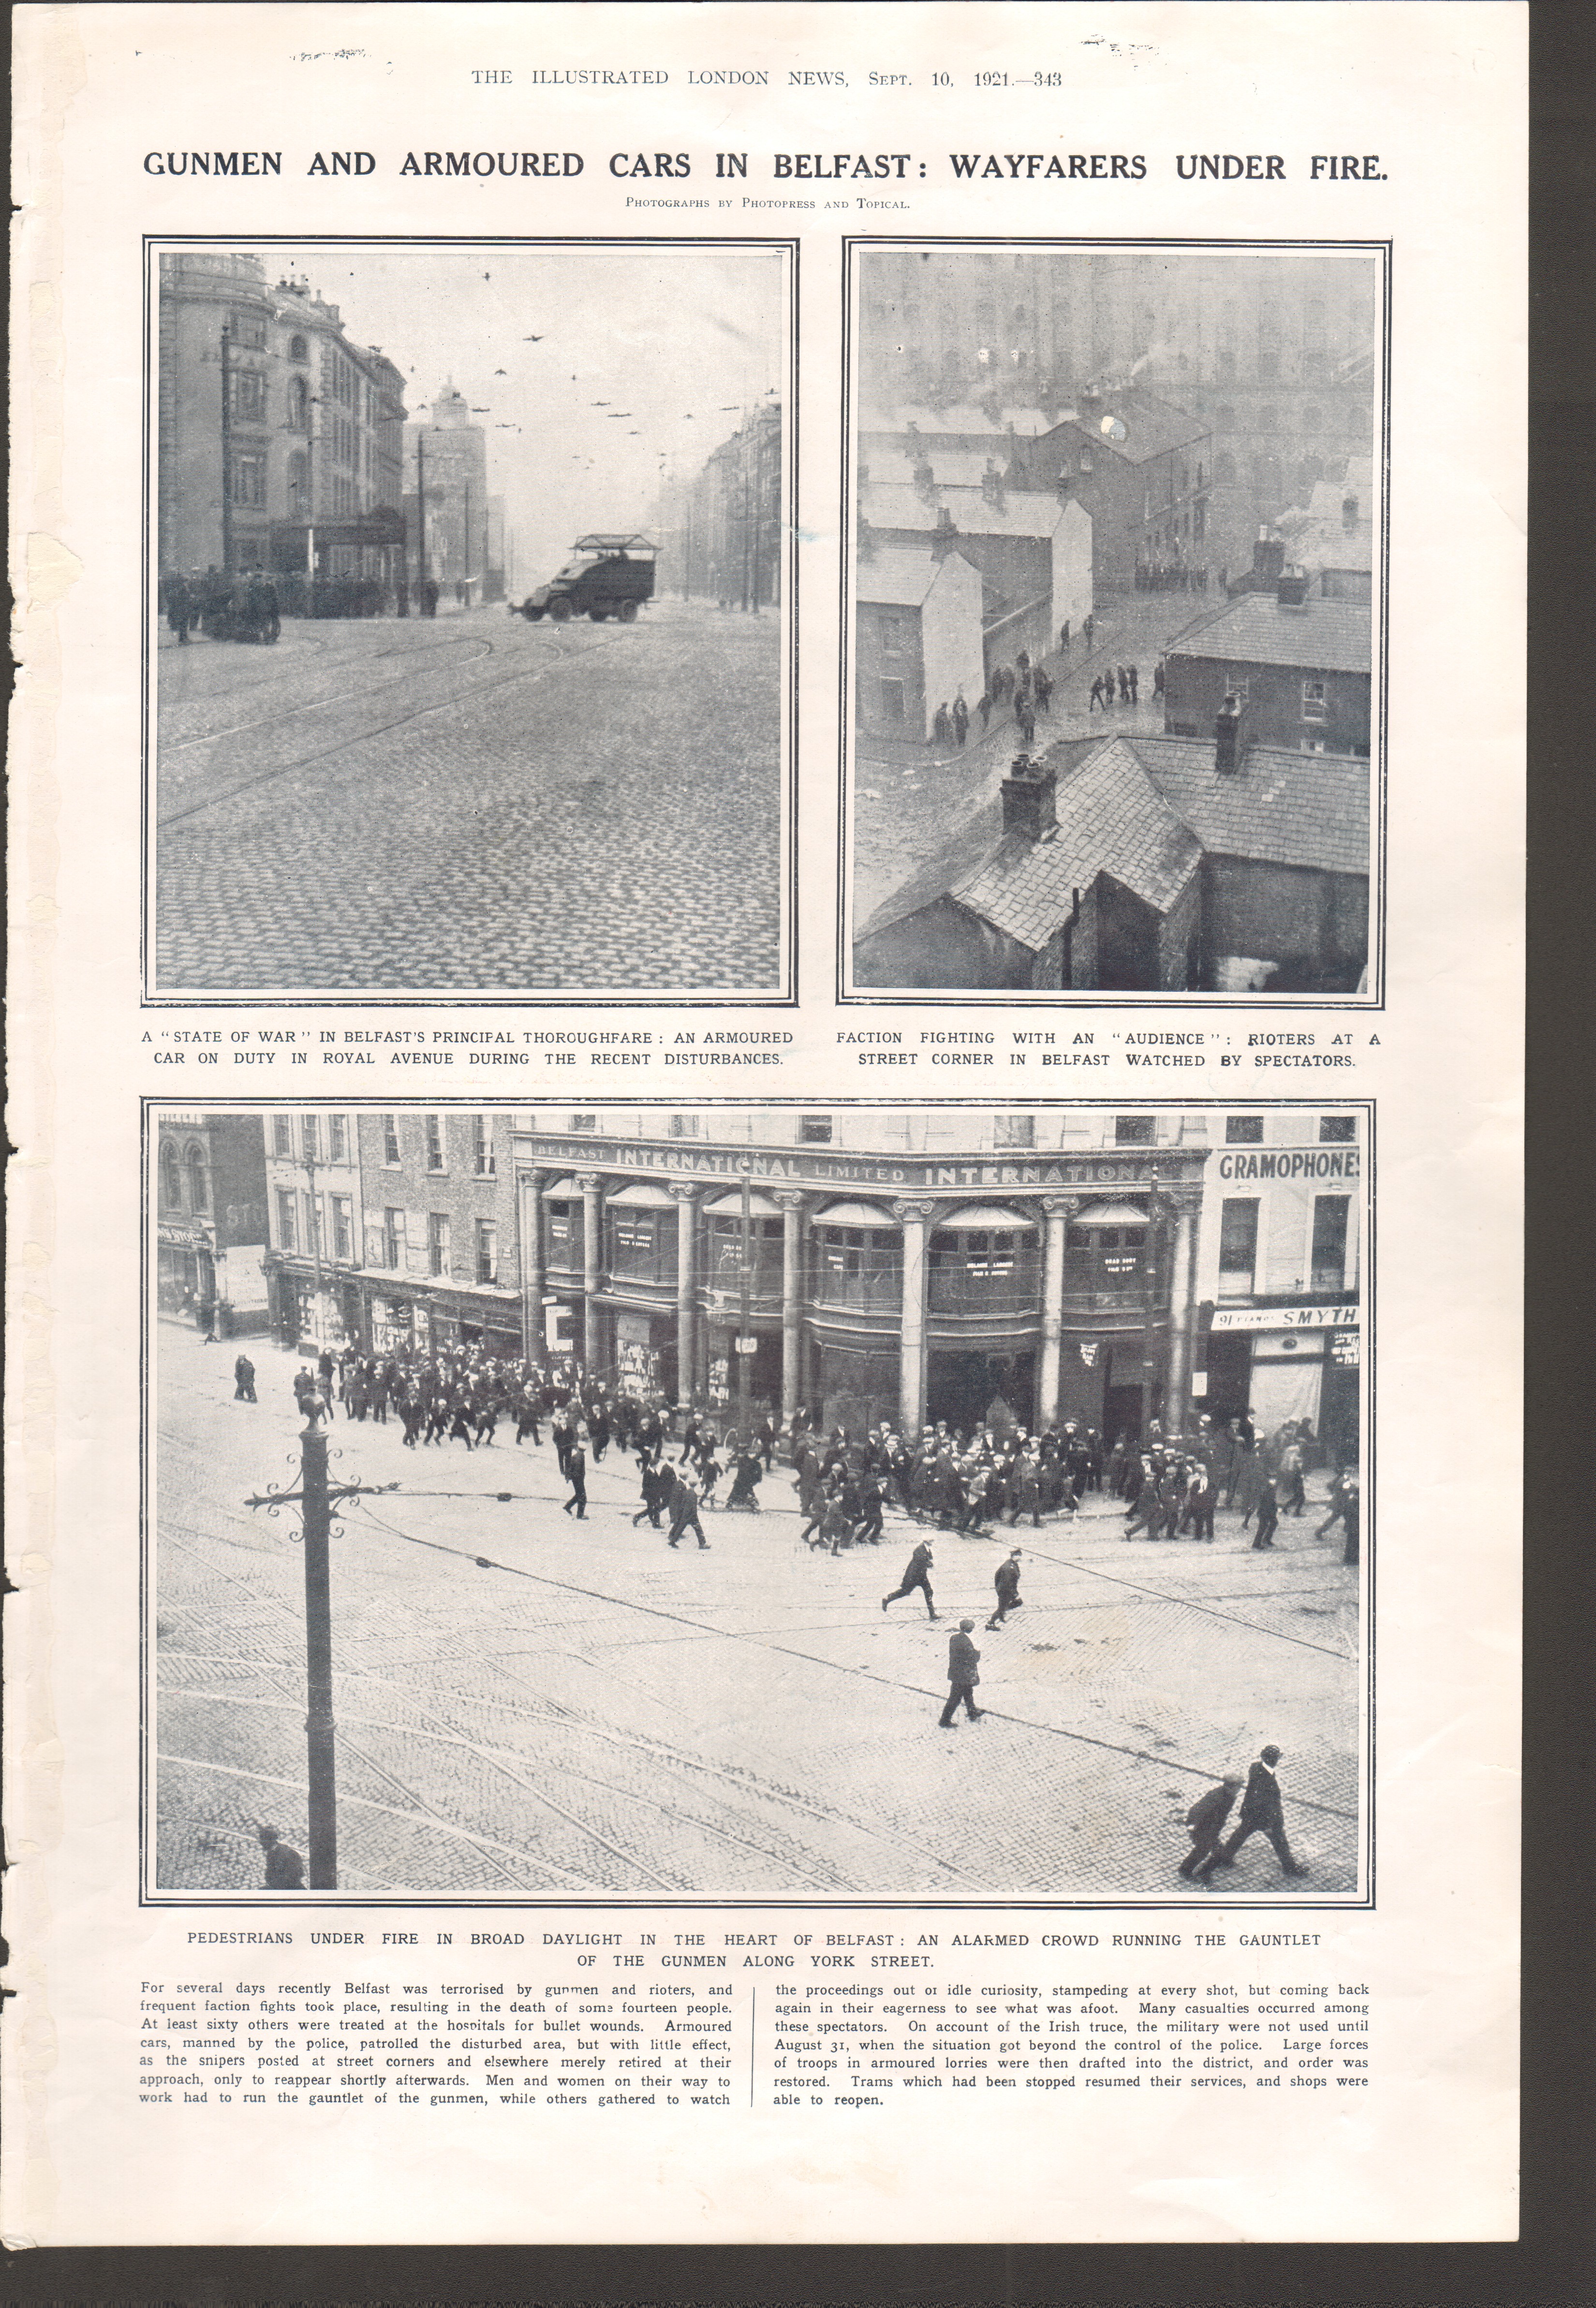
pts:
[1349, 513]
[1268, 559]
[1028, 798]
[944, 537]
[1290, 591]
[1229, 737]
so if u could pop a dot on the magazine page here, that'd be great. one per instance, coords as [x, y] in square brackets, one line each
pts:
[766, 1055]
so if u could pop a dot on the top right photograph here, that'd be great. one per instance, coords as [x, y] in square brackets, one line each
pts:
[1116, 527]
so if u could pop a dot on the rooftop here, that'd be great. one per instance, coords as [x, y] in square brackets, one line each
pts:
[901, 579]
[1253, 629]
[1024, 512]
[1143, 810]
[1152, 427]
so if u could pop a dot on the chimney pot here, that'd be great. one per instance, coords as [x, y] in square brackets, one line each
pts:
[1029, 798]
[1229, 737]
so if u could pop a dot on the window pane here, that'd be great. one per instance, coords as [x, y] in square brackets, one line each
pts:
[1244, 1129]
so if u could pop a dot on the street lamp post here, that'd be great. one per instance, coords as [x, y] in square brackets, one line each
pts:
[744, 1335]
[226, 453]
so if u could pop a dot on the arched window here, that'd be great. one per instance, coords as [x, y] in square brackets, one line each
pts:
[298, 349]
[171, 1179]
[298, 405]
[198, 1189]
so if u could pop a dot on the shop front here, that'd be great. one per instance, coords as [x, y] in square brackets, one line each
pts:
[1285, 1363]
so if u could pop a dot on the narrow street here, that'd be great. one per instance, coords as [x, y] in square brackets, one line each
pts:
[474, 803]
[533, 1706]
[909, 799]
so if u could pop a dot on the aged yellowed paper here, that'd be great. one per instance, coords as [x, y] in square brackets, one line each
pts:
[765, 867]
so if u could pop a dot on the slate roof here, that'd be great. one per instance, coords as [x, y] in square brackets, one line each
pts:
[1152, 427]
[1113, 820]
[1280, 808]
[1145, 810]
[1320, 637]
[898, 577]
[1025, 512]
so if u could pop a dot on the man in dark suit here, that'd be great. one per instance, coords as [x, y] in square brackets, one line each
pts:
[1006, 1579]
[1261, 1813]
[918, 1574]
[963, 1672]
[1206, 1820]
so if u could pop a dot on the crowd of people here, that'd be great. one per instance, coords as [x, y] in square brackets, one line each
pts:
[982, 1479]
[224, 608]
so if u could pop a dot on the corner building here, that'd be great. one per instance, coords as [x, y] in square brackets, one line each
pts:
[905, 1265]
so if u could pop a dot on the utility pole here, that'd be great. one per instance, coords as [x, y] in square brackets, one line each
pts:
[420, 510]
[744, 1335]
[466, 552]
[316, 1501]
[226, 453]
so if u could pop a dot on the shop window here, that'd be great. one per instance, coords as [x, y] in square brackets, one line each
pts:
[1330, 1219]
[483, 1161]
[564, 1234]
[976, 1272]
[1244, 1129]
[487, 1250]
[643, 1244]
[343, 1229]
[434, 1143]
[1337, 1129]
[198, 1190]
[437, 1242]
[1014, 1131]
[1105, 1267]
[287, 1231]
[171, 1179]
[814, 1130]
[1237, 1248]
[338, 1139]
[390, 1145]
[860, 1267]
[1133, 1129]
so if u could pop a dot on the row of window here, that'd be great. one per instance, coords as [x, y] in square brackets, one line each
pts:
[317, 1225]
[1239, 1244]
[1011, 1133]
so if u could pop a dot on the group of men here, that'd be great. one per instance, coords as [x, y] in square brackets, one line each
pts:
[1102, 693]
[226, 608]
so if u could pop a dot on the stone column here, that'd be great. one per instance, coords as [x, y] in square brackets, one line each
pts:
[1059, 1209]
[1182, 1311]
[592, 1186]
[791, 1300]
[914, 1218]
[687, 1281]
[529, 1186]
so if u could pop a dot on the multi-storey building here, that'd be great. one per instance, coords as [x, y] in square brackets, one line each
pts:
[1272, 352]
[441, 1261]
[902, 1264]
[720, 535]
[446, 497]
[1279, 1262]
[1294, 668]
[312, 1172]
[279, 436]
[210, 1221]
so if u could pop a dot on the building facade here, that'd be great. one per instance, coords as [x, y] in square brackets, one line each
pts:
[278, 437]
[1273, 353]
[211, 1221]
[720, 533]
[921, 638]
[902, 1266]
[1034, 552]
[447, 511]
[1280, 1272]
[1298, 666]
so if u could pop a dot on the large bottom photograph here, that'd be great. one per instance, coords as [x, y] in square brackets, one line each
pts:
[1027, 1445]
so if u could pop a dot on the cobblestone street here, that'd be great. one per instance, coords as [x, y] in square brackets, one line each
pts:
[473, 803]
[909, 798]
[580, 1712]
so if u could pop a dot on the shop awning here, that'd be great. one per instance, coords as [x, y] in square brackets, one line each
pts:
[990, 1218]
[640, 1196]
[1109, 1214]
[856, 1214]
[760, 1206]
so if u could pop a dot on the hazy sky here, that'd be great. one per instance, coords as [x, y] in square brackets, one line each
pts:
[645, 361]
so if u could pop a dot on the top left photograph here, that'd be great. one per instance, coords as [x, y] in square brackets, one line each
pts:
[469, 619]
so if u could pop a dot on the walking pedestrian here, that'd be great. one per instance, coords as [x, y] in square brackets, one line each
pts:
[1130, 675]
[918, 1574]
[576, 1474]
[1064, 638]
[1123, 679]
[1025, 716]
[1262, 1812]
[1006, 1579]
[684, 1510]
[1088, 626]
[1095, 700]
[941, 726]
[243, 1379]
[1206, 1820]
[961, 717]
[963, 1675]
[983, 706]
